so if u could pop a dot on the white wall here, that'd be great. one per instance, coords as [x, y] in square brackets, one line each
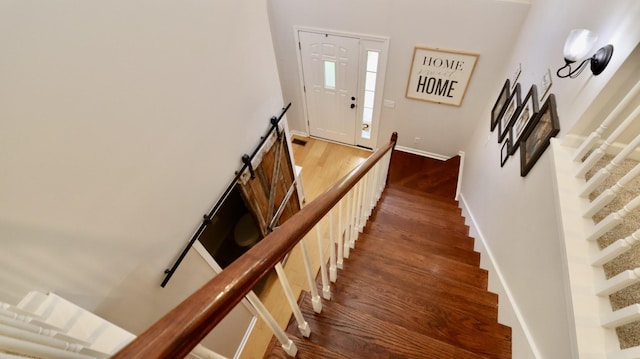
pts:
[486, 27]
[516, 215]
[121, 122]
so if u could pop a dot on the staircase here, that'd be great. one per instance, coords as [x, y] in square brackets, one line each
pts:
[412, 287]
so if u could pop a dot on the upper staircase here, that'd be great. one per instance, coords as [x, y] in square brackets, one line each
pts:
[412, 286]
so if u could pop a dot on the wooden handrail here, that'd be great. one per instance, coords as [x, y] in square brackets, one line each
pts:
[180, 330]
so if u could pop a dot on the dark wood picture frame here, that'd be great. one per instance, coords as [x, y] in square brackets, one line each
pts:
[537, 137]
[504, 152]
[528, 109]
[500, 105]
[511, 108]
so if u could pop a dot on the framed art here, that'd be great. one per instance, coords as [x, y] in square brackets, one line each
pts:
[546, 84]
[500, 104]
[516, 74]
[504, 152]
[523, 116]
[440, 76]
[536, 138]
[508, 116]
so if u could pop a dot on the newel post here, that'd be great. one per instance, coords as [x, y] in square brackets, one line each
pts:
[394, 139]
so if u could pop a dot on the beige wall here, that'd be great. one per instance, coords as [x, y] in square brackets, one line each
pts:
[121, 122]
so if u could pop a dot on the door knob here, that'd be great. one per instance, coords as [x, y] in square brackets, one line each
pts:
[353, 105]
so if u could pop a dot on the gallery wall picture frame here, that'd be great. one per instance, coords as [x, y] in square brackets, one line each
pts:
[440, 76]
[545, 85]
[500, 105]
[504, 152]
[508, 116]
[523, 116]
[537, 137]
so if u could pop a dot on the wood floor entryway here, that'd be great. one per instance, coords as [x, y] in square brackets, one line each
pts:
[412, 287]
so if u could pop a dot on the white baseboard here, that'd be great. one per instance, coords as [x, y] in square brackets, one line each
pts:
[503, 286]
[298, 133]
[435, 156]
[460, 172]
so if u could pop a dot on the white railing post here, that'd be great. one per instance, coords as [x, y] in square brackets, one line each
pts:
[609, 194]
[622, 316]
[597, 154]
[615, 249]
[340, 260]
[605, 172]
[356, 214]
[596, 135]
[613, 219]
[363, 201]
[315, 297]
[349, 224]
[620, 281]
[326, 287]
[303, 326]
[287, 344]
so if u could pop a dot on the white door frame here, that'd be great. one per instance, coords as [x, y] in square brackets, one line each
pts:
[367, 42]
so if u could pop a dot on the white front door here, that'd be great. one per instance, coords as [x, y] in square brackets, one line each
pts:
[330, 71]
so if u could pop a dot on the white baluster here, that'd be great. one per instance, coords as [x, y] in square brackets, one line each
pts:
[202, 352]
[363, 201]
[615, 249]
[340, 260]
[620, 281]
[595, 156]
[622, 316]
[356, 214]
[326, 288]
[609, 194]
[349, 224]
[37, 350]
[606, 171]
[315, 297]
[333, 271]
[287, 344]
[628, 353]
[303, 326]
[613, 220]
[595, 136]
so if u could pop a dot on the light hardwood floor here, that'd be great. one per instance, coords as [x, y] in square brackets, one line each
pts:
[323, 163]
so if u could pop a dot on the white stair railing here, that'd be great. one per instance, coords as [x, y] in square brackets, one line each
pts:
[594, 322]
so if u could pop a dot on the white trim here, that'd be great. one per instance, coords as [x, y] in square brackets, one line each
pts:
[460, 172]
[474, 228]
[435, 156]
[298, 133]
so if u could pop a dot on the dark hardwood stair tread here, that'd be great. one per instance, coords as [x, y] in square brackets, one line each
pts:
[423, 261]
[433, 233]
[431, 217]
[356, 334]
[403, 278]
[416, 241]
[306, 348]
[407, 193]
[441, 320]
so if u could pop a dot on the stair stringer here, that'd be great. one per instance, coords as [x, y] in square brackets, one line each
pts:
[523, 343]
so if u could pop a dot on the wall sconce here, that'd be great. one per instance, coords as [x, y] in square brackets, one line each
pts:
[578, 44]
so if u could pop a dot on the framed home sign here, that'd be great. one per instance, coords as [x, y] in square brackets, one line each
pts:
[440, 76]
[537, 137]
